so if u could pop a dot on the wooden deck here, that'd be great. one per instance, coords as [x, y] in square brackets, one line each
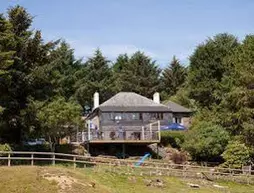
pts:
[123, 141]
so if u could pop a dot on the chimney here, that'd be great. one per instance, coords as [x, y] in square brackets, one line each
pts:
[156, 97]
[95, 100]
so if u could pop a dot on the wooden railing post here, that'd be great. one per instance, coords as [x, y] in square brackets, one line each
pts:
[53, 159]
[32, 159]
[74, 162]
[143, 133]
[159, 130]
[151, 133]
[9, 159]
[89, 130]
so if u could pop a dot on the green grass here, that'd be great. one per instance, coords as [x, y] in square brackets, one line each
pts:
[28, 179]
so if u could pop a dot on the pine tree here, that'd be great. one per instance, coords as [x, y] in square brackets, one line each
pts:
[137, 74]
[96, 77]
[173, 77]
[207, 68]
[236, 110]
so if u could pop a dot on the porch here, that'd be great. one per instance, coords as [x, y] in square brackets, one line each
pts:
[147, 134]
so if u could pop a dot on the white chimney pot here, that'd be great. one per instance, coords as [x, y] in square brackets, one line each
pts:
[96, 100]
[156, 97]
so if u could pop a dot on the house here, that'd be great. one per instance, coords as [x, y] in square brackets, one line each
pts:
[127, 117]
[181, 114]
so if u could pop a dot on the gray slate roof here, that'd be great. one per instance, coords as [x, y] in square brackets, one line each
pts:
[176, 108]
[130, 101]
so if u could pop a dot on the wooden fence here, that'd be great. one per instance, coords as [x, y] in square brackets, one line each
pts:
[124, 166]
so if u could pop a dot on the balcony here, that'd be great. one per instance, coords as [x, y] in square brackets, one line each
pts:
[142, 134]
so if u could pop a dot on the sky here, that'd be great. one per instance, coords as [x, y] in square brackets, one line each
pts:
[160, 28]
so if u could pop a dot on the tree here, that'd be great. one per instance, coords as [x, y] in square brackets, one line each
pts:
[27, 53]
[236, 110]
[58, 118]
[96, 77]
[136, 74]
[207, 68]
[236, 155]
[64, 70]
[206, 141]
[173, 77]
[6, 39]
[14, 90]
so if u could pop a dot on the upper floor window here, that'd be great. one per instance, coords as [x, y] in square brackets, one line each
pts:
[136, 116]
[156, 116]
[117, 116]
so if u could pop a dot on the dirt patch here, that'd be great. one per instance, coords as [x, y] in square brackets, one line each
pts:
[65, 182]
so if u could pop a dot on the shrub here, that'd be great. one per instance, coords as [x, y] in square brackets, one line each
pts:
[206, 141]
[173, 138]
[179, 157]
[35, 148]
[236, 155]
[70, 149]
[5, 147]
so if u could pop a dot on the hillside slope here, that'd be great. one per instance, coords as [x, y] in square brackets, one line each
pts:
[26, 179]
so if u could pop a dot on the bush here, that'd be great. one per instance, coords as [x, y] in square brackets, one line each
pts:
[206, 141]
[173, 138]
[179, 157]
[5, 147]
[236, 155]
[70, 149]
[35, 148]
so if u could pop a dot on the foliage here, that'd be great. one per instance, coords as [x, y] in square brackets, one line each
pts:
[237, 106]
[205, 141]
[95, 77]
[139, 74]
[236, 155]
[60, 115]
[179, 157]
[70, 149]
[33, 148]
[207, 68]
[173, 77]
[182, 98]
[5, 147]
[173, 138]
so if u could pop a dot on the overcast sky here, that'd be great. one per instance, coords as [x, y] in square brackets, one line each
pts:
[160, 28]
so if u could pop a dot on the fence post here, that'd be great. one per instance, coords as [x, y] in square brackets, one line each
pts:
[53, 159]
[9, 159]
[74, 162]
[32, 159]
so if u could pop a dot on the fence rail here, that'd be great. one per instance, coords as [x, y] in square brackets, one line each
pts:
[128, 166]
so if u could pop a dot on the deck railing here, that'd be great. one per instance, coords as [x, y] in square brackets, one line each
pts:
[149, 132]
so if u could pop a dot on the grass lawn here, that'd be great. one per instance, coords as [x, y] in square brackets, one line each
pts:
[29, 179]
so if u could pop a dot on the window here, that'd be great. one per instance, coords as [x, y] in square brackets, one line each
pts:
[136, 116]
[178, 120]
[156, 116]
[116, 116]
